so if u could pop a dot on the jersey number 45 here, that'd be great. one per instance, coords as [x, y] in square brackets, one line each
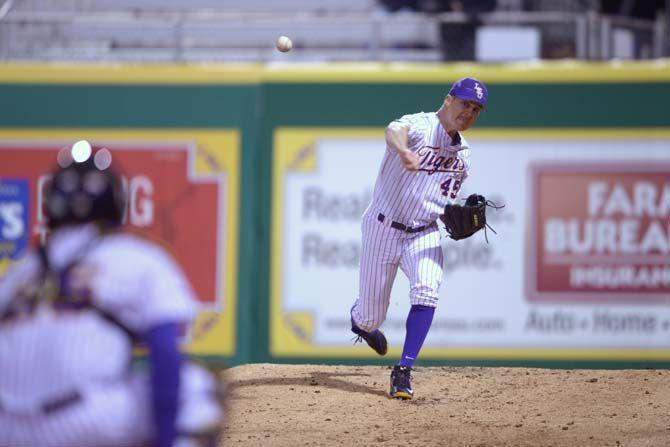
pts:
[450, 187]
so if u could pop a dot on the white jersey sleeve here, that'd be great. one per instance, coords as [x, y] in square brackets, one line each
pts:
[140, 283]
[418, 126]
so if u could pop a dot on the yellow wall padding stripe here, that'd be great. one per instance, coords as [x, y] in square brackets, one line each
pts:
[383, 72]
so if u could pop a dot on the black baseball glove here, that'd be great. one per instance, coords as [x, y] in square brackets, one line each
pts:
[462, 221]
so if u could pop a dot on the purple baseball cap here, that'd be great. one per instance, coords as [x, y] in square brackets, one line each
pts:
[470, 89]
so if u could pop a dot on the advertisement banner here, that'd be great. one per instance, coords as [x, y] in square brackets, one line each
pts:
[608, 242]
[14, 212]
[180, 194]
[578, 269]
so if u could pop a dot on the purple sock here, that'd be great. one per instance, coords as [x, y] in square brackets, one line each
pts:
[165, 366]
[418, 323]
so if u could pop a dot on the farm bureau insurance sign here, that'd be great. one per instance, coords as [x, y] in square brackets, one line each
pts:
[601, 233]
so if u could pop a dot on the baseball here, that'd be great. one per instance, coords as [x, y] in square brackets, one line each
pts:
[284, 44]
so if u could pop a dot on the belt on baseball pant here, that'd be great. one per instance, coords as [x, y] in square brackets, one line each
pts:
[401, 227]
[56, 404]
[61, 402]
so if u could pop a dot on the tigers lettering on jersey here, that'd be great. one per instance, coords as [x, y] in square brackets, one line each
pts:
[431, 162]
[416, 199]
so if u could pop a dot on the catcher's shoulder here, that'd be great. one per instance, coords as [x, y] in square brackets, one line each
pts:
[140, 247]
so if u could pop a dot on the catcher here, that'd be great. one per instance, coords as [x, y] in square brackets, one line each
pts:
[71, 312]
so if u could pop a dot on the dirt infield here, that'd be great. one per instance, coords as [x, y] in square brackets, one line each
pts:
[316, 405]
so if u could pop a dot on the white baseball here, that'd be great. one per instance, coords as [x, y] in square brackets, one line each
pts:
[284, 44]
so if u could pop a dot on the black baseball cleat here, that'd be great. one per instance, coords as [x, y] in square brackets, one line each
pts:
[401, 383]
[375, 339]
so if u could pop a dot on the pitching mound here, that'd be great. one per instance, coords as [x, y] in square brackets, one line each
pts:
[317, 405]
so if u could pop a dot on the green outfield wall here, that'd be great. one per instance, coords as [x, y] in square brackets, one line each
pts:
[45, 101]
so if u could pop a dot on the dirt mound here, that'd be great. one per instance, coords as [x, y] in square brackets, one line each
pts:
[318, 405]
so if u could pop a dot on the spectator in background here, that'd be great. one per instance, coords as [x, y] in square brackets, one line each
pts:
[397, 5]
[638, 9]
[457, 39]
[641, 10]
[561, 5]
[558, 40]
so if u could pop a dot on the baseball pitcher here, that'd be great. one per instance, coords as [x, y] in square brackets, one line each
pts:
[424, 166]
[71, 313]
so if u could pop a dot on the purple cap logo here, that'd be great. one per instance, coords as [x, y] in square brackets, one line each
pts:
[470, 89]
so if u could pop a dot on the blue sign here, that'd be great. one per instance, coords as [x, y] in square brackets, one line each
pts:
[14, 217]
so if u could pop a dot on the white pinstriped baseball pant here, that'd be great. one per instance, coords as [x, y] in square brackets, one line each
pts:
[384, 249]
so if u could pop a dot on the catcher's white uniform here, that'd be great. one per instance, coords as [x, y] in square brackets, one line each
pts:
[66, 377]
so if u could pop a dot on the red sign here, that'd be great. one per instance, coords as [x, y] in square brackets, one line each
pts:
[166, 201]
[600, 232]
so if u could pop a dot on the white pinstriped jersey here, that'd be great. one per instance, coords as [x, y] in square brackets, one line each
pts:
[417, 198]
[414, 199]
[47, 353]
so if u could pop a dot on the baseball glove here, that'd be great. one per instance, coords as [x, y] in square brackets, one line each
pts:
[462, 221]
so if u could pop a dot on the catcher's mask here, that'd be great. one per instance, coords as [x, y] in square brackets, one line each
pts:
[84, 188]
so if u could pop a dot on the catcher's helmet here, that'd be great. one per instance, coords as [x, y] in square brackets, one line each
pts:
[84, 188]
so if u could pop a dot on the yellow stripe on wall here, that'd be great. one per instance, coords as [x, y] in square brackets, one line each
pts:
[509, 73]
[341, 72]
[86, 73]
